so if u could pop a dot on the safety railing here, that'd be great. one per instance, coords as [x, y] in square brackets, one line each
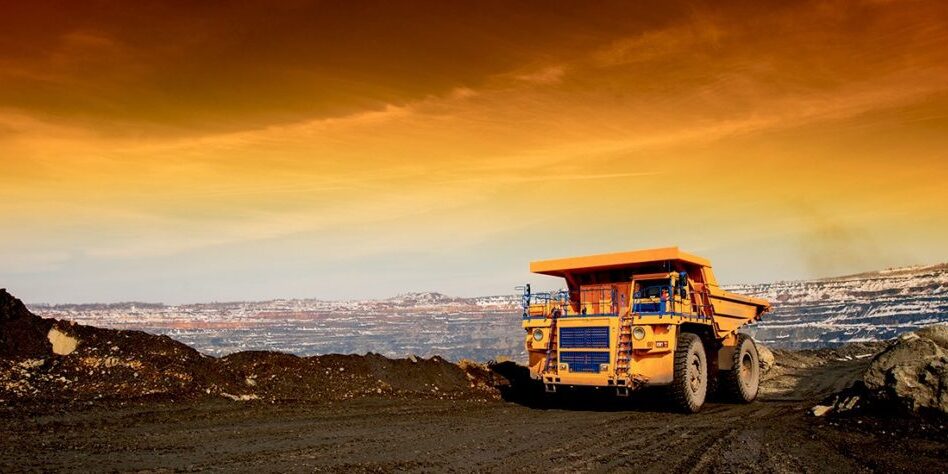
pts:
[544, 304]
[564, 304]
[609, 302]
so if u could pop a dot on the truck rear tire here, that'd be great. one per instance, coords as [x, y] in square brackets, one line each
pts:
[742, 383]
[690, 385]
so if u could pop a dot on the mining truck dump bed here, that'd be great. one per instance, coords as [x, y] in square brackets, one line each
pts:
[632, 319]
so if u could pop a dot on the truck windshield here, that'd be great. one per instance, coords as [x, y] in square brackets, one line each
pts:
[653, 289]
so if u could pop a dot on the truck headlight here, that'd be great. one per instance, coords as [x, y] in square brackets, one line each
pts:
[538, 334]
[638, 333]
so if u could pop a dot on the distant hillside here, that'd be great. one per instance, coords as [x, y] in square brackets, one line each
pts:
[864, 307]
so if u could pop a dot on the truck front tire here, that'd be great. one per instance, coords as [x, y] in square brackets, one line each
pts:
[742, 383]
[690, 385]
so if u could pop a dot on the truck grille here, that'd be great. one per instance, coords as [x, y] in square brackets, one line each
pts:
[596, 337]
[584, 361]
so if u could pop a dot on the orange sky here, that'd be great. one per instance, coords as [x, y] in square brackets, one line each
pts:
[172, 152]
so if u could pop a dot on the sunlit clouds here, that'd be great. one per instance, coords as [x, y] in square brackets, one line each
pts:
[370, 150]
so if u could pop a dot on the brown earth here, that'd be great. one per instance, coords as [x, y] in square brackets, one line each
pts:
[774, 434]
[259, 411]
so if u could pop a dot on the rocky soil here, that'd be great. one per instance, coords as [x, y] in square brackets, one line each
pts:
[913, 373]
[907, 376]
[79, 398]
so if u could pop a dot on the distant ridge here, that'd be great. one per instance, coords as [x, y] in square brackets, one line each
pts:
[867, 306]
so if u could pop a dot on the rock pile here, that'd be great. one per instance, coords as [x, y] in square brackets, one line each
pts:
[913, 372]
[910, 375]
[853, 398]
[45, 359]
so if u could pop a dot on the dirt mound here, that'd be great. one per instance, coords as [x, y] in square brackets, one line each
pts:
[272, 375]
[105, 363]
[913, 372]
[45, 359]
[22, 334]
[909, 376]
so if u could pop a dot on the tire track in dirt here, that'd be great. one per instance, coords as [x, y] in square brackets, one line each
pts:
[386, 435]
[612, 455]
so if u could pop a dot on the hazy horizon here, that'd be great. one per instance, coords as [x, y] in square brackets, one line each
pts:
[540, 284]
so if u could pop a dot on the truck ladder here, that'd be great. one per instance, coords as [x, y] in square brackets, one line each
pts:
[624, 350]
[551, 352]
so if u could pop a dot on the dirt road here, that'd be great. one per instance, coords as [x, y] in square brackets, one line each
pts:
[772, 435]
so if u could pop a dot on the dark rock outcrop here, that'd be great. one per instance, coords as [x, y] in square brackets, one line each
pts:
[22, 334]
[913, 373]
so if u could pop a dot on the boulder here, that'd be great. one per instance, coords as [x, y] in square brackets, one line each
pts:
[63, 344]
[765, 356]
[913, 372]
[938, 333]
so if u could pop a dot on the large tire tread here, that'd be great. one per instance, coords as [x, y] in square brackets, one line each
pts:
[681, 392]
[730, 384]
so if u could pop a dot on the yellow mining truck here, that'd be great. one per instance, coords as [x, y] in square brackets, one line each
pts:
[644, 318]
